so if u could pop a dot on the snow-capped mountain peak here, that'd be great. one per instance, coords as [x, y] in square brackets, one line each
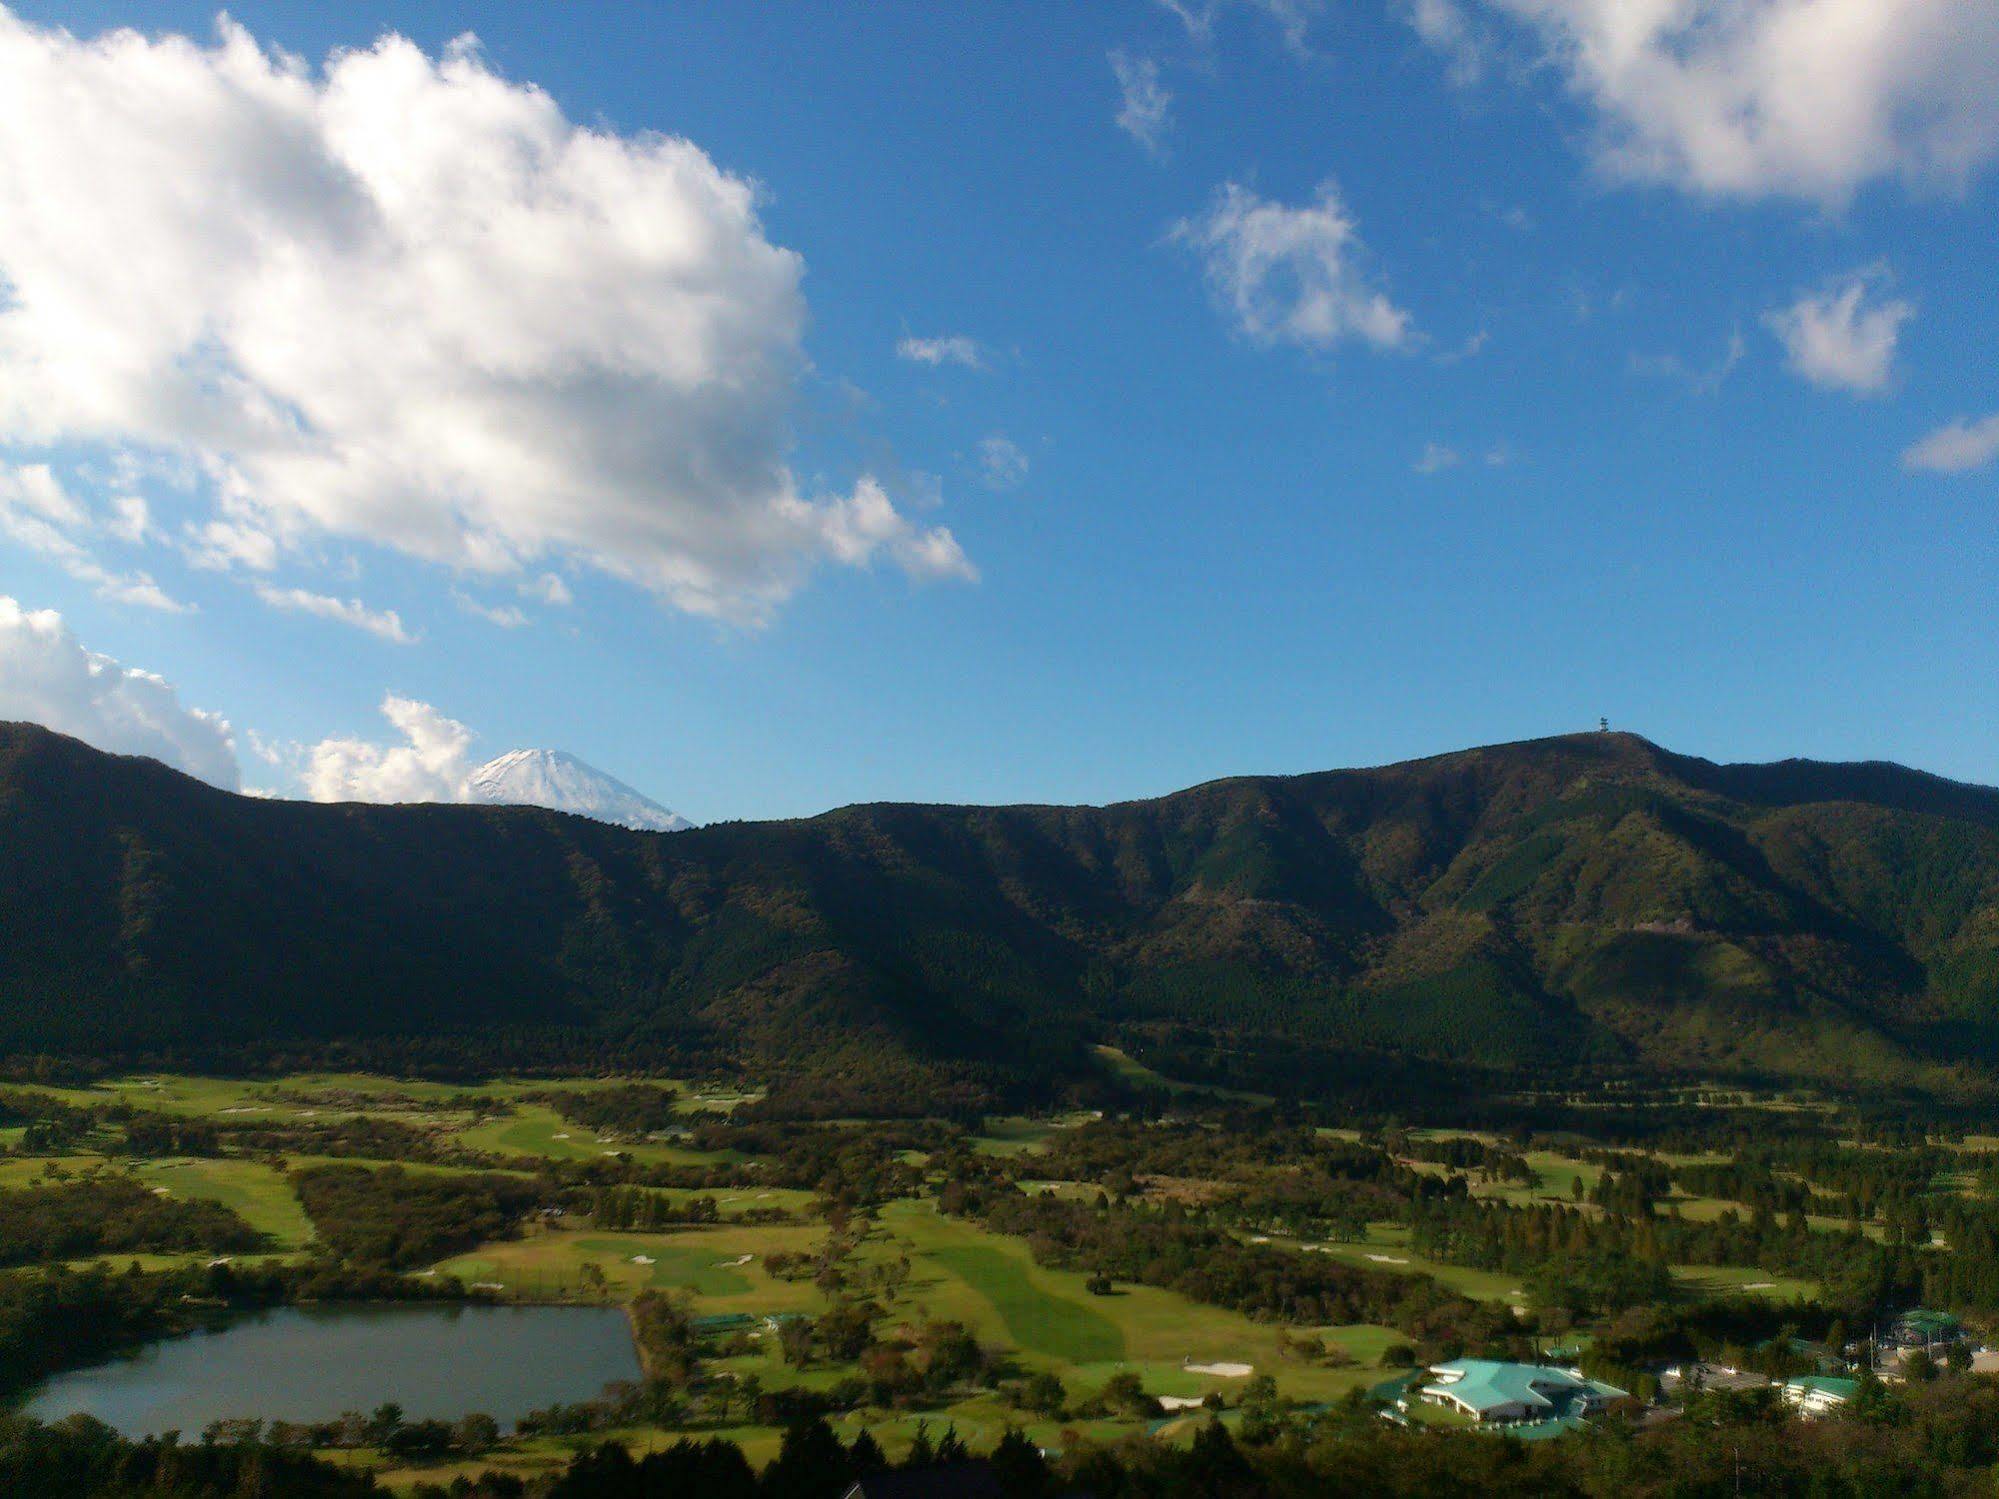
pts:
[550, 778]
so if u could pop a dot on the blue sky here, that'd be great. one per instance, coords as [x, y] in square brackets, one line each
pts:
[1629, 441]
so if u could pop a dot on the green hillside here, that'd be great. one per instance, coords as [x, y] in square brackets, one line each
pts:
[1589, 904]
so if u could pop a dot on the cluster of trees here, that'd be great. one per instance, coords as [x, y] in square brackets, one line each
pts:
[646, 1208]
[915, 1366]
[393, 1218]
[631, 1110]
[1934, 1439]
[91, 1461]
[67, 1220]
[386, 1428]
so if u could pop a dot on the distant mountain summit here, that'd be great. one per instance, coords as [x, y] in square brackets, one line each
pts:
[563, 783]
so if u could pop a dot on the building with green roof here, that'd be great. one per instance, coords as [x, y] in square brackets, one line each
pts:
[1816, 1394]
[1490, 1391]
[1922, 1328]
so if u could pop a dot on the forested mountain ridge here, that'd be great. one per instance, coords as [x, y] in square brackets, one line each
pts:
[1587, 902]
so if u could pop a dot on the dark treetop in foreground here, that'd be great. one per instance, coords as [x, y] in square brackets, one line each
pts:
[1575, 906]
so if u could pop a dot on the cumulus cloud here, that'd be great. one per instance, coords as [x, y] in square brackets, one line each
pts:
[1752, 98]
[384, 624]
[1145, 104]
[1290, 275]
[854, 529]
[1002, 463]
[430, 764]
[39, 513]
[48, 677]
[1836, 338]
[952, 348]
[1956, 449]
[403, 300]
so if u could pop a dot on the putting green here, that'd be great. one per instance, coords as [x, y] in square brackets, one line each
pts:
[696, 1270]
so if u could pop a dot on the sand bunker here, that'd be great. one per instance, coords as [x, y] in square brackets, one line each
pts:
[644, 1259]
[1387, 1259]
[1179, 1402]
[1761, 1285]
[741, 1259]
[1221, 1371]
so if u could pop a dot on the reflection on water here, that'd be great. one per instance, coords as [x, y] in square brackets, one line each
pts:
[313, 1363]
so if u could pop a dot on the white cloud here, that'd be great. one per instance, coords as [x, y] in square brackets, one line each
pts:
[1002, 462]
[1705, 380]
[1288, 274]
[1293, 18]
[1834, 338]
[506, 616]
[1797, 98]
[406, 301]
[1956, 449]
[226, 544]
[131, 519]
[1471, 348]
[1145, 105]
[38, 513]
[385, 624]
[954, 348]
[48, 677]
[429, 765]
[1436, 457]
[1445, 25]
[853, 530]
[550, 589]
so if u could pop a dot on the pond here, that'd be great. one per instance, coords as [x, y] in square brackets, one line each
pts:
[313, 1363]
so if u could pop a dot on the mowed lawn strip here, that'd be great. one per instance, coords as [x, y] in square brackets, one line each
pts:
[1036, 1320]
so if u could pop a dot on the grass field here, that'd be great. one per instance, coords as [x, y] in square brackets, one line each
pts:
[1014, 1134]
[536, 1129]
[550, 1264]
[1034, 1317]
[992, 1284]
[1386, 1247]
[259, 1194]
[1555, 1179]
[1128, 1069]
[1718, 1280]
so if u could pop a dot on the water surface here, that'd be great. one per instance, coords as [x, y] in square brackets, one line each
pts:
[313, 1363]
